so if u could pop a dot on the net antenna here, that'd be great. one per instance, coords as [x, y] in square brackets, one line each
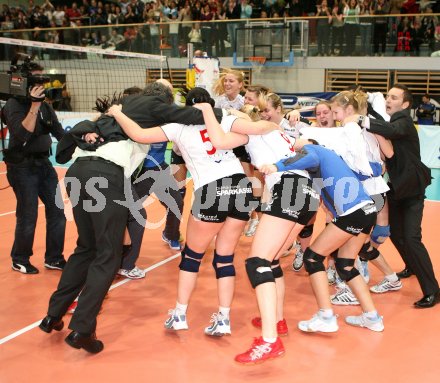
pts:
[84, 73]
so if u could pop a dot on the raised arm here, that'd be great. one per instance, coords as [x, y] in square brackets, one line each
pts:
[217, 136]
[399, 128]
[385, 145]
[303, 160]
[133, 130]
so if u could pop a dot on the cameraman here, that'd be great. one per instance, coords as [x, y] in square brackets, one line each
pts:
[30, 173]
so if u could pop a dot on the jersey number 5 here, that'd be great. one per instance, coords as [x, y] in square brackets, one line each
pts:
[207, 142]
[287, 139]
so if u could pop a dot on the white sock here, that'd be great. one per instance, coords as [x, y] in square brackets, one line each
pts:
[224, 311]
[392, 277]
[181, 308]
[269, 340]
[372, 315]
[326, 313]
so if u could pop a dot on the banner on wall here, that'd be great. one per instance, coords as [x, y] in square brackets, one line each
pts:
[206, 72]
[304, 102]
[430, 145]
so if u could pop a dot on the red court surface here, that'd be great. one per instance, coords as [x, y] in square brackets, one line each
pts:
[138, 349]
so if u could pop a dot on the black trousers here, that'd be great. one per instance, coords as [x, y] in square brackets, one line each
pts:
[30, 180]
[406, 234]
[93, 188]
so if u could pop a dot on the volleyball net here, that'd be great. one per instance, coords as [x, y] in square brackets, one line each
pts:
[84, 73]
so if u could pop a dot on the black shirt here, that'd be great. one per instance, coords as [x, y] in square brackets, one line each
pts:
[39, 141]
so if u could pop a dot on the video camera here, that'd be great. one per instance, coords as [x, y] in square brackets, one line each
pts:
[18, 81]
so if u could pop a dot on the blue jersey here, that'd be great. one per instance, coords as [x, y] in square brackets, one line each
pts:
[338, 185]
[156, 155]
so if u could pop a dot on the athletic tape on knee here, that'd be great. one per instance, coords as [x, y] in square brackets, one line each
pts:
[276, 269]
[380, 234]
[259, 271]
[223, 271]
[342, 264]
[313, 262]
[307, 231]
[190, 260]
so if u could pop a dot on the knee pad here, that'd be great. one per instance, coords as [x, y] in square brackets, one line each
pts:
[182, 192]
[223, 271]
[313, 262]
[380, 234]
[368, 255]
[277, 271]
[342, 264]
[257, 200]
[307, 231]
[259, 271]
[190, 260]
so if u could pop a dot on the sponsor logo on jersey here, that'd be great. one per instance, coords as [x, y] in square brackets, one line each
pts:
[310, 191]
[226, 190]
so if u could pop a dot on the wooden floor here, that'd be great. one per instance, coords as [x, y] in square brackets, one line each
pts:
[138, 349]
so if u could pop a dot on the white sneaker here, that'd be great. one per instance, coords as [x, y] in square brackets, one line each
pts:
[362, 267]
[331, 275]
[344, 297]
[220, 325]
[134, 273]
[176, 321]
[252, 228]
[386, 285]
[298, 261]
[363, 321]
[319, 324]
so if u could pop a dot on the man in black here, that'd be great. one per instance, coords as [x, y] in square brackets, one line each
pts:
[408, 181]
[30, 173]
[97, 257]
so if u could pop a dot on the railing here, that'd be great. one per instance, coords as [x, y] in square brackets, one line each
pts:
[311, 36]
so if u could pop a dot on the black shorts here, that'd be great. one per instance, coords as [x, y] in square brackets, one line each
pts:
[227, 197]
[176, 159]
[360, 221]
[379, 200]
[241, 153]
[293, 199]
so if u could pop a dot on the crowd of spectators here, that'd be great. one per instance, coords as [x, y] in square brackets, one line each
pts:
[334, 30]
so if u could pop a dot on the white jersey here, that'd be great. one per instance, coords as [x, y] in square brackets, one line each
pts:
[224, 102]
[290, 130]
[269, 149]
[347, 142]
[356, 149]
[373, 185]
[205, 162]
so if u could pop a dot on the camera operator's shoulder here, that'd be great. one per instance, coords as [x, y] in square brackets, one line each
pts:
[13, 105]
